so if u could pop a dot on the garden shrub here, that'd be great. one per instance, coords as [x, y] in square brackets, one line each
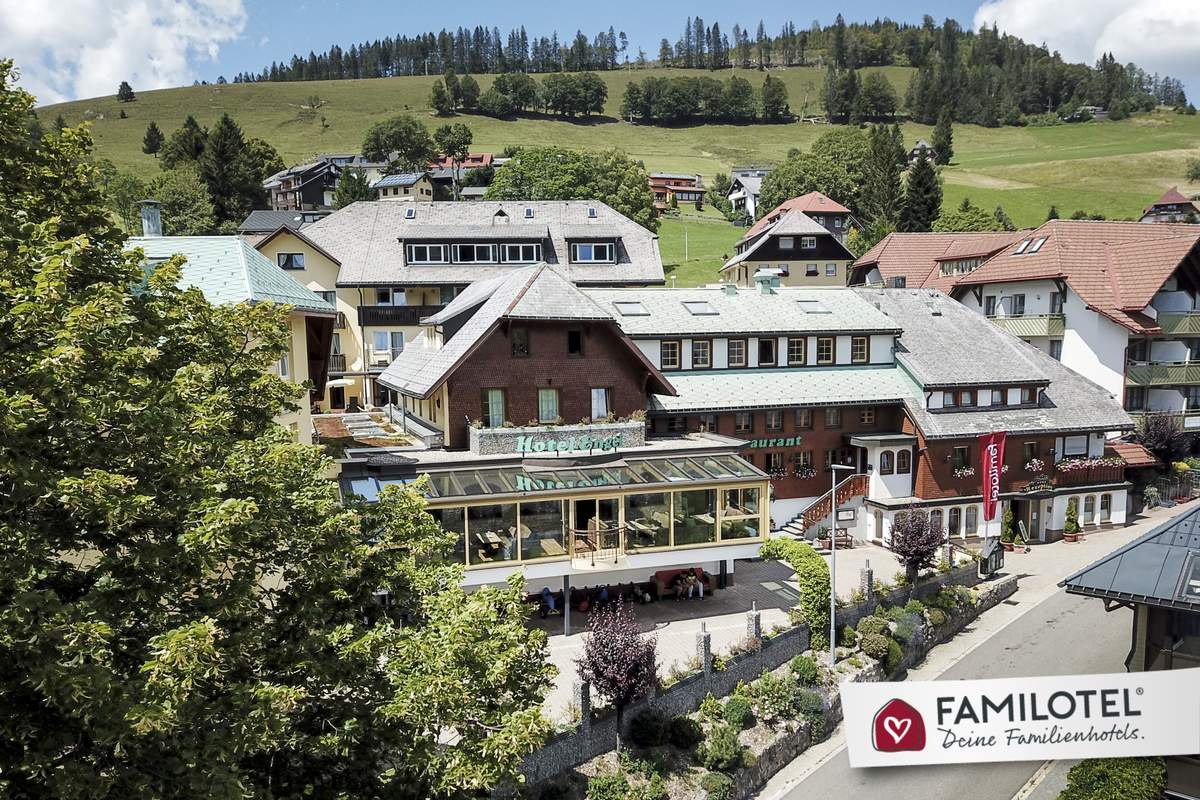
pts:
[914, 607]
[737, 712]
[896, 614]
[637, 766]
[775, 695]
[717, 786]
[875, 645]
[848, 636]
[906, 629]
[812, 575]
[937, 617]
[653, 789]
[811, 706]
[805, 670]
[684, 733]
[649, 728]
[872, 625]
[710, 708]
[1126, 778]
[894, 656]
[721, 750]
[607, 786]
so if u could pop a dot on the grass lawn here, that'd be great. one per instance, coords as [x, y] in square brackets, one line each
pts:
[708, 243]
[1114, 168]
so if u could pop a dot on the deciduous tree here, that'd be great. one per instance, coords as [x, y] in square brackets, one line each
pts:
[402, 141]
[439, 99]
[774, 100]
[187, 209]
[468, 89]
[454, 141]
[915, 542]
[618, 659]
[965, 218]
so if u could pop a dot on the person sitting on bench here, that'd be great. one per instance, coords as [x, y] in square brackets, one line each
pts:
[693, 583]
[547, 601]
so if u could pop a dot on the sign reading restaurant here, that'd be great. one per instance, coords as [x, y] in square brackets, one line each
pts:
[789, 441]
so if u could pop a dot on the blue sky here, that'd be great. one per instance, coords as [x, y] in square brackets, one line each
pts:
[69, 49]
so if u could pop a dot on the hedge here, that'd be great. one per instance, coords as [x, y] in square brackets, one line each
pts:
[812, 575]
[1112, 778]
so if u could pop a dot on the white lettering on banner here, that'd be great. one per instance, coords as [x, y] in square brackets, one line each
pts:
[1023, 719]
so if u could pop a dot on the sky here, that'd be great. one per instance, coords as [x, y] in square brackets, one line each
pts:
[70, 49]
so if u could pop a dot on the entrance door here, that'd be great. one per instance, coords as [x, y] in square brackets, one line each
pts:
[1030, 516]
[596, 525]
[337, 397]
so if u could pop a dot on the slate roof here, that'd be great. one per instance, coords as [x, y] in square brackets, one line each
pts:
[1149, 570]
[752, 184]
[746, 313]
[792, 223]
[263, 221]
[915, 256]
[399, 179]
[1114, 267]
[537, 292]
[811, 203]
[722, 390]
[228, 270]
[368, 239]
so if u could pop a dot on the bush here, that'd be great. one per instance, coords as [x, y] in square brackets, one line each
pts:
[875, 645]
[914, 607]
[653, 789]
[775, 695]
[812, 575]
[1126, 778]
[737, 712]
[897, 614]
[894, 656]
[607, 786]
[872, 625]
[937, 617]
[810, 705]
[710, 708]
[805, 670]
[717, 786]
[721, 750]
[649, 728]
[684, 733]
[847, 636]
[906, 629]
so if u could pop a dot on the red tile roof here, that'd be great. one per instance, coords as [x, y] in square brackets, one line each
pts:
[811, 203]
[1114, 267]
[1134, 455]
[915, 256]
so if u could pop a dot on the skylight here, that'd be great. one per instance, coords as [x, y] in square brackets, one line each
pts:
[1189, 586]
[1021, 247]
[528, 212]
[591, 212]
[410, 213]
[812, 307]
[699, 308]
[1037, 245]
[630, 308]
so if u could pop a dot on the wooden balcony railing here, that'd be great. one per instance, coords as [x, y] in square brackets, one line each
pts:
[395, 315]
[337, 362]
[1025, 325]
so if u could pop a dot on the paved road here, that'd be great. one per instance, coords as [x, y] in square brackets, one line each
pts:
[1063, 635]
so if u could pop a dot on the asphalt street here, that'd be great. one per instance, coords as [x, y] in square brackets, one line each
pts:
[1062, 635]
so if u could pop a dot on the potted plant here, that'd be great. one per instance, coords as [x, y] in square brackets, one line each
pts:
[1006, 531]
[1071, 528]
[824, 540]
[1150, 496]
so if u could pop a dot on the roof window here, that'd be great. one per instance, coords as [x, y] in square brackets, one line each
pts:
[1189, 585]
[1037, 245]
[699, 308]
[813, 307]
[591, 212]
[1021, 247]
[410, 213]
[528, 212]
[630, 308]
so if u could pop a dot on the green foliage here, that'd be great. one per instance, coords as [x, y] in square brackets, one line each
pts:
[882, 191]
[774, 695]
[553, 173]
[943, 137]
[352, 187]
[122, 193]
[186, 207]
[608, 786]
[894, 656]
[875, 645]
[1109, 778]
[152, 142]
[812, 575]
[221, 637]
[684, 733]
[184, 146]
[937, 617]
[710, 708]
[454, 141]
[571, 95]
[495, 103]
[1193, 170]
[872, 626]
[1072, 523]
[805, 670]
[914, 606]
[439, 99]
[264, 160]
[1007, 528]
[906, 628]
[721, 749]
[649, 728]
[922, 198]
[810, 705]
[966, 218]
[834, 166]
[737, 712]
[717, 786]
[847, 636]
[232, 173]
[125, 92]
[468, 89]
[402, 141]
[774, 100]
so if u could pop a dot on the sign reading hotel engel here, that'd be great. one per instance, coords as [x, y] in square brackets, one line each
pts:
[1023, 719]
[554, 444]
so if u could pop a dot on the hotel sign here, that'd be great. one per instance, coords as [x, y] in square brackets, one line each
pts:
[789, 441]
[549, 443]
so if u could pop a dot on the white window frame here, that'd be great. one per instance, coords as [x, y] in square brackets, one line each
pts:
[508, 249]
[577, 250]
[677, 348]
[427, 254]
[808, 243]
[831, 270]
[392, 295]
[461, 251]
[601, 402]
[1075, 446]
[285, 366]
[494, 420]
[543, 405]
[297, 259]
[787, 242]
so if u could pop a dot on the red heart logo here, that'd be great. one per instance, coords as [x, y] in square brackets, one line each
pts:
[897, 727]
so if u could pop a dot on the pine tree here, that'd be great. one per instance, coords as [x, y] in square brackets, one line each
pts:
[1003, 219]
[881, 193]
[233, 183]
[839, 42]
[439, 99]
[185, 145]
[943, 138]
[60, 124]
[1053, 213]
[922, 198]
[153, 140]
[469, 91]
[125, 92]
[453, 88]
[352, 186]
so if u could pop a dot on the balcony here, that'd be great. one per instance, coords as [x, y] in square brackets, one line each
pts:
[395, 315]
[337, 362]
[1091, 475]
[1188, 420]
[1163, 373]
[1179, 323]
[381, 358]
[1026, 326]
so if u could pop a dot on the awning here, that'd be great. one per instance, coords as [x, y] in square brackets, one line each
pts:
[1133, 454]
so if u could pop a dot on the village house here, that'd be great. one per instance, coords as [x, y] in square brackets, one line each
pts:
[415, 185]
[922, 149]
[1172, 207]
[310, 186]
[261, 223]
[800, 247]
[927, 260]
[675, 189]
[387, 264]
[745, 185]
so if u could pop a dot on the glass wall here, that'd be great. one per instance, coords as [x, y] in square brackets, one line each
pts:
[647, 520]
[453, 520]
[492, 533]
[695, 516]
[740, 518]
[542, 530]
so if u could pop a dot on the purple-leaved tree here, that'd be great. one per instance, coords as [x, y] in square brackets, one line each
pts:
[915, 542]
[618, 659]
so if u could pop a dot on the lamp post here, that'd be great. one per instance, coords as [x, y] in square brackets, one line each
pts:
[833, 504]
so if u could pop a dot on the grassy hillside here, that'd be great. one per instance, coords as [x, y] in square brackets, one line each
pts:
[1109, 167]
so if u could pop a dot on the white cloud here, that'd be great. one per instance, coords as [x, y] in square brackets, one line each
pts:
[1157, 35]
[67, 49]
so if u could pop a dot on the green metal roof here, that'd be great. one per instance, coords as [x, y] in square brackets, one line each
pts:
[230, 271]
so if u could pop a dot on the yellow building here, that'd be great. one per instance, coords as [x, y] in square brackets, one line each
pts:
[795, 249]
[227, 270]
[415, 185]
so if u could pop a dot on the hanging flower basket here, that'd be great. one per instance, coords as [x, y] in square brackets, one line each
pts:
[964, 472]
[805, 472]
[1035, 465]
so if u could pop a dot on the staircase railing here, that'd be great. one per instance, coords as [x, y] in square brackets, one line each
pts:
[594, 545]
[819, 509]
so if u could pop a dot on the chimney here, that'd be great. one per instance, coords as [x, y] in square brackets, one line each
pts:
[765, 282]
[151, 218]
[729, 289]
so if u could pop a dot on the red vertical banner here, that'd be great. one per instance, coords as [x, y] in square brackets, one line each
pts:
[991, 467]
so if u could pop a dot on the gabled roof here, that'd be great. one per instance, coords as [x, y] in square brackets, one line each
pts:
[399, 179]
[264, 241]
[751, 184]
[1149, 570]
[791, 223]
[916, 256]
[227, 270]
[263, 221]
[540, 292]
[1171, 197]
[811, 203]
[368, 237]
[1114, 267]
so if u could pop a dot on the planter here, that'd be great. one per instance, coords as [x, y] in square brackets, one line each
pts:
[825, 544]
[1008, 546]
[1072, 537]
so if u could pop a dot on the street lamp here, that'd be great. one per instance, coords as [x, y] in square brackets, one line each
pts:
[833, 504]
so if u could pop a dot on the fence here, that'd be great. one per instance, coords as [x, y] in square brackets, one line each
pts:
[1176, 487]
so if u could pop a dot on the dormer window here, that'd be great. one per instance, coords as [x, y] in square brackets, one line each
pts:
[593, 253]
[591, 212]
[427, 254]
[521, 253]
[410, 213]
[475, 254]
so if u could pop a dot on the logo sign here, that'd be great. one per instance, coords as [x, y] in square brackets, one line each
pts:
[1023, 719]
[552, 444]
[991, 457]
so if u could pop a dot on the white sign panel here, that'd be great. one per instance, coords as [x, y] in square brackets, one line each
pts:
[1023, 719]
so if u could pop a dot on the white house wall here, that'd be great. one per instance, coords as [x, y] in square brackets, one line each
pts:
[1094, 346]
